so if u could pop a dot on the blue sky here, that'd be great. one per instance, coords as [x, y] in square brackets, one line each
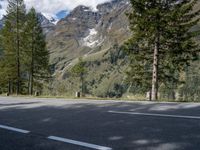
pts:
[54, 8]
[62, 14]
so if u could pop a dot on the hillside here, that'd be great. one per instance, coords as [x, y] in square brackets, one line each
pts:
[96, 37]
[91, 35]
[84, 32]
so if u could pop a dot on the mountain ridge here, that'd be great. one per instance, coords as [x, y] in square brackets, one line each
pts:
[85, 31]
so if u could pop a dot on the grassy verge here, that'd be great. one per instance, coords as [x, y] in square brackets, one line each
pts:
[133, 98]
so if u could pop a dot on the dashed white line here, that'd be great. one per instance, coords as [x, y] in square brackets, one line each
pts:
[60, 139]
[156, 115]
[83, 144]
[14, 129]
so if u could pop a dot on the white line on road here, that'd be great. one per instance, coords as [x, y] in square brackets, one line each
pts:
[88, 145]
[155, 115]
[83, 144]
[14, 129]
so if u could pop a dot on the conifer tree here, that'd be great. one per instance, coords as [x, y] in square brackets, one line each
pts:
[12, 41]
[37, 55]
[162, 43]
[8, 59]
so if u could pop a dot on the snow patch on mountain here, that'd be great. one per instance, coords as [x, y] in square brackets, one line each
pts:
[52, 19]
[92, 40]
[74, 19]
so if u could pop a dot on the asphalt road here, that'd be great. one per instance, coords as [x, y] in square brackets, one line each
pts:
[50, 124]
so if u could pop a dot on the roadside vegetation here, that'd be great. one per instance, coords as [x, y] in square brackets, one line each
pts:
[24, 57]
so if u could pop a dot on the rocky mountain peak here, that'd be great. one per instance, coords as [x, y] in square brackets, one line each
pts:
[85, 32]
[47, 24]
[44, 21]
[82, 15]
[110, 6]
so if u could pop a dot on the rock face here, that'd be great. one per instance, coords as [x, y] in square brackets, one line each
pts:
[47, 24]
[85, 32]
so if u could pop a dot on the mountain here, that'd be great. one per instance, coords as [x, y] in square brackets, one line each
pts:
[47, 24]
[94, 35]
[85, 32]
[50, 18]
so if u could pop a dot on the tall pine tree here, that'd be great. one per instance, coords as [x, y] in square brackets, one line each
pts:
[37, 56]
[12, 41]
[162, 43]
[24, 56]
[8, 60]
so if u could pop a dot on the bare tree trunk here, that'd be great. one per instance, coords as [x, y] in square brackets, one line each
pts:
[82, 84]
[29, 80]
[9, 86]
[154, 91]
[30, 84]
[18, 57]
[32, 65]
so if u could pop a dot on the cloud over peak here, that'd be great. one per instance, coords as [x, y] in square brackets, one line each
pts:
[53, 7]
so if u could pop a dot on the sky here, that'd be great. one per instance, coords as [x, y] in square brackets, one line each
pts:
[54, 8]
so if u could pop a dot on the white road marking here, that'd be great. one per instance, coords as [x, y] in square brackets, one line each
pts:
[83, 144]
[155, 115]
[14, 129]
[88, 145]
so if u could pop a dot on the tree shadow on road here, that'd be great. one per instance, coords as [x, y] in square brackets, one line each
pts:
[93, 123]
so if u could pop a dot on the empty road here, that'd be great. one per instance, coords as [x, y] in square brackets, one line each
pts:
[56, 124]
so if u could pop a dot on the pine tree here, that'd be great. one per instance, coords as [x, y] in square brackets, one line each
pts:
[37, 55]
[8, 59]
[25, 54]
[12, 41]
[162, 43]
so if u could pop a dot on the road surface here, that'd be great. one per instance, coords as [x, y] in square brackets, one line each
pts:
[56, 124]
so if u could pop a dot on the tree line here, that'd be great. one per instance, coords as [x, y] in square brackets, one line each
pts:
[23, 54]
[163, 43]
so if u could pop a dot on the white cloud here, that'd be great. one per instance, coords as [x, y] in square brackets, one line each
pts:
[52, 7]
[3, 6]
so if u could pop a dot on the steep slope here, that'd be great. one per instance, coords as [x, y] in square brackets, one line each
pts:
[84, 32]
[47, 24]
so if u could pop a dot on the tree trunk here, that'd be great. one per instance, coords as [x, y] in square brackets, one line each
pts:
[9, 86]
[29, 80]
[31, 85]
[32, 65]
[18, 59]
[154, 91]
[82, 90]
